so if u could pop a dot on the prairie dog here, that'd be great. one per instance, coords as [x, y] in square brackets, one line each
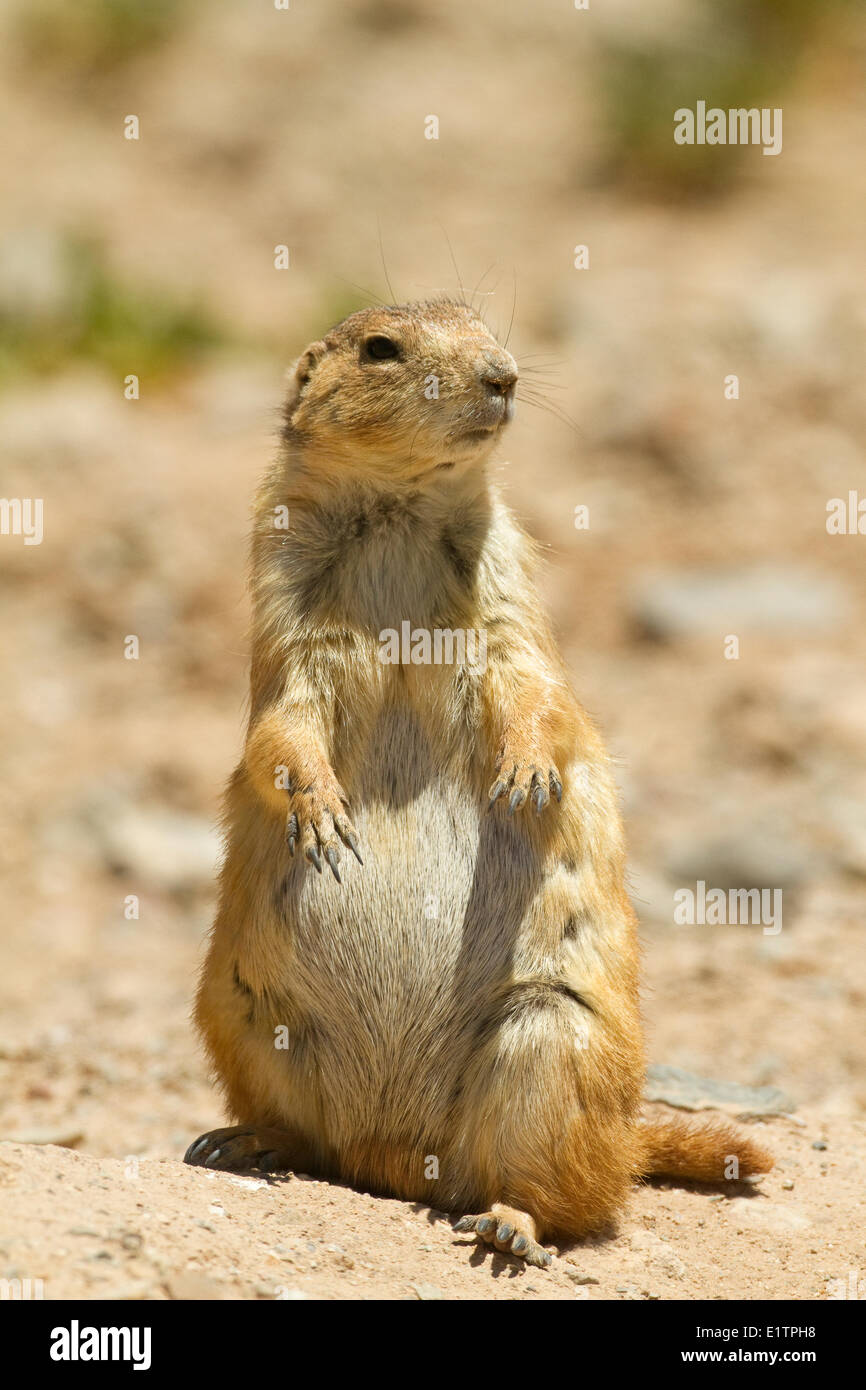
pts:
[423, 975]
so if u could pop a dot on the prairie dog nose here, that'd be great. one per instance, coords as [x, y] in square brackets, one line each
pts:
[497, 371]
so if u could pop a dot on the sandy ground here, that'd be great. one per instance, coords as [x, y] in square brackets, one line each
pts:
[105, 1228]
[740, 773]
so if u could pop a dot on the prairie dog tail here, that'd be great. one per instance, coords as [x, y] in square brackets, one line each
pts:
[702, 1150]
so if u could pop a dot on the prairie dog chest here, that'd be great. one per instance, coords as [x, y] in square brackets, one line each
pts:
[373, 563]
[386, 596]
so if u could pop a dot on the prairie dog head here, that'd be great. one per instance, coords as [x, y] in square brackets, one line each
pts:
[395, 393]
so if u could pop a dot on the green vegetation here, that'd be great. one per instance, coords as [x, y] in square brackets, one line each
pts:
[746, 55]
[100, 318]
[93, 38]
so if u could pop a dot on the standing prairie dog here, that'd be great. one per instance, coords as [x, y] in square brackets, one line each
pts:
[423, 974]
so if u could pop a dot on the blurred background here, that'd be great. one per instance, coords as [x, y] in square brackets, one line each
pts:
[707, 516]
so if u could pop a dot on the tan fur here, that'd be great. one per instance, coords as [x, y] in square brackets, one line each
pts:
[467, 997]
[707, 1150]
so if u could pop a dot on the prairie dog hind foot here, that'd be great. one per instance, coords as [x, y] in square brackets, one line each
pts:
[247, 1148]
[507, 1230]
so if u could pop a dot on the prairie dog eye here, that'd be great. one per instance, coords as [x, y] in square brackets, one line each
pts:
[380, 348]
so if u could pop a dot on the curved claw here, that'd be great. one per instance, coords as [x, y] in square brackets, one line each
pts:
[333, 859]
[314, 857]
[466, 1224]
[538, 1256]
[517, 798]
[347, 835]
[555, 786]
[497, 790]
[196, 1147]
[497, 1231]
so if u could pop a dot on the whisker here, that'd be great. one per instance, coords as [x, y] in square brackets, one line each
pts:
[384, 267]
[368, 294]
[432, 289]
[414, 437]
[551, 408]
[513, 307]
[444, 290]
[547, 410]
[481, 281]
[536, 380]
[460, 284]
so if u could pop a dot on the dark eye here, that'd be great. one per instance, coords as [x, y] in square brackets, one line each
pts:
[381, 348]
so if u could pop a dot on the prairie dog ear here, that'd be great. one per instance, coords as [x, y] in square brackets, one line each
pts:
[299, 374]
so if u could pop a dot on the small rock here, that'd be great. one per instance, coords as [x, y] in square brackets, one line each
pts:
[164, 848]
[37, 282]
[712, 603]
[787, 1185]
[685, 1091]
[577, 1278]
[190, 1286]
[63, 1138]
[847, 833]
[134, 1291]
[819, 1144]
[769, 1216]
[428, 1293]
[658, 1253]
[754, 855]
[670, 1264]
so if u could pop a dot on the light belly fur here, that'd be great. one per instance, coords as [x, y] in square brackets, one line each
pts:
[394, 970]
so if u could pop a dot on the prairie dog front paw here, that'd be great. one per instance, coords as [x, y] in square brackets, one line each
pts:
[317, 821]
[522, 778]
